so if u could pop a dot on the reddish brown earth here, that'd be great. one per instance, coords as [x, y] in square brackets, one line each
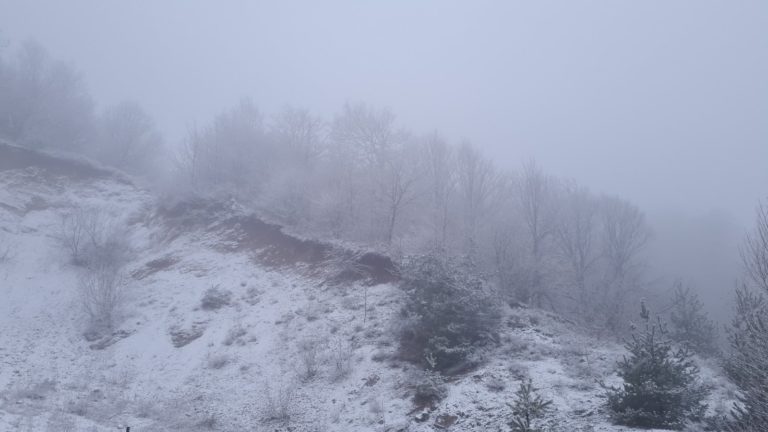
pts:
[273, 247]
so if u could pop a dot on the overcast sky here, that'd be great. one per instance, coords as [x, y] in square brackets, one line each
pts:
[663, 102]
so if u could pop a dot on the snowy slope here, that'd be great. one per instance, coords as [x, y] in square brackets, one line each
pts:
[179, 363]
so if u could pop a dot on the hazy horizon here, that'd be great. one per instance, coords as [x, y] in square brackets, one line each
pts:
[659, 102]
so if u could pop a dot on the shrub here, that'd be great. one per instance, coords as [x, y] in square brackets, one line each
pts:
[279, 402]
[73, 233]
[102, 295]
[448, 313]
[215, 298]
[92, 241]
[34, 391]
[79, 406]
[661, 388]
[309, 359]
[218, 361]
[527, 408]
[496, 384]
[235, 335]
[428, 389]
[341, 359]
[208, 421]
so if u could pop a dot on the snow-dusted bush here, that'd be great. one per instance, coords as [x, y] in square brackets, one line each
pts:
[218, 361]
[449, 312]
[79, 406]
[661, 386]
[428, 388]
[309, 359]
[341, 359]
[235, 335]
[33, 390]
[102, 296]
[74, 233]
[92, 240]
[215, 298]
[496, 384]
[208, 421]
[279, 402]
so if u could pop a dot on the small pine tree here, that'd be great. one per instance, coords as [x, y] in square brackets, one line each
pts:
[661, 388]
[690, 324]
[449, 312]
[527, 408]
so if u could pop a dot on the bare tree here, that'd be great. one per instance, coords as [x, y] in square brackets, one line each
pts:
[233, 153]
[397, 184]
[300, 135]
[440, 167]
[507, 259]
[478, 182]
[128, 138]
[366, 133]
[754, 252]
[43, 102]
[298, 138]
[536, 192]
[187, 160]
[368, 147]
[624, 234]
[575, 237]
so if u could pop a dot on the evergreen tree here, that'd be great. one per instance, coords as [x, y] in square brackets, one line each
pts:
[747, 365]
[448, 313]
[690, 324]
[661, 388]
[528, 408]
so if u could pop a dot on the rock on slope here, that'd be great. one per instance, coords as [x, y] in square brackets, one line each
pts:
[232, 325]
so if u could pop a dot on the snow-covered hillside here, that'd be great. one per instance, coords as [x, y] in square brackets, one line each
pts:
[231, 325]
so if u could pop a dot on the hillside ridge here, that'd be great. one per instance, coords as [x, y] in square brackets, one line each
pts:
[231, 324]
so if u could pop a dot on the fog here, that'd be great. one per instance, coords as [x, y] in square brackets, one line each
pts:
[663, 103]
[352, 215]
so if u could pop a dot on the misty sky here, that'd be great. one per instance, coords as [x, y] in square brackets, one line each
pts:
[662, 102]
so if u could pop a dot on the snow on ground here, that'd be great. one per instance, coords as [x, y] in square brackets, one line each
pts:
[210, 339]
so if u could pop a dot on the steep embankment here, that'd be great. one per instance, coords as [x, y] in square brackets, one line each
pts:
[230, 324]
